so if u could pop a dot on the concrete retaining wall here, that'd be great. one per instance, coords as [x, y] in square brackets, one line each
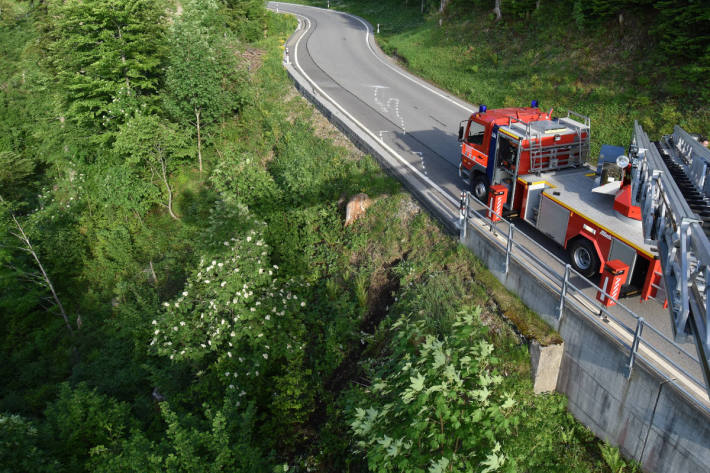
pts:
[646, 417]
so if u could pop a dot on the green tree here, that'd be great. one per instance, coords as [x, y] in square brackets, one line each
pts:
[221, 440]
[108, 56]
[82, 419]
[21, 449]
[202, 78]
[150, 143]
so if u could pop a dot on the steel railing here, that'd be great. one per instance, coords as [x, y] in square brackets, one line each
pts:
[635, 334]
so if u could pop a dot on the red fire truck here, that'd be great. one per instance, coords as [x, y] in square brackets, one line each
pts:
[541, 161]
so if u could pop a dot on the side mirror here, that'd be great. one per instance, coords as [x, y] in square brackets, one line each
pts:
[461, 133]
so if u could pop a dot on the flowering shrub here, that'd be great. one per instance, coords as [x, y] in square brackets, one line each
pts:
[236, 318]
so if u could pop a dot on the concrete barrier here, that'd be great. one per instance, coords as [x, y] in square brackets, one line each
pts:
[645, 416]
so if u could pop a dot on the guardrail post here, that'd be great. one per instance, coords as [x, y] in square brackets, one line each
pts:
[635, 346]
[563, 296]
[463, 215]
[509, 247]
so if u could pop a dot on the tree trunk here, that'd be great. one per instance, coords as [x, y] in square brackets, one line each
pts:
[422, 7]
[199, 138]
[442, 5]
[123, 60]
[22, 236]
[152, 273]
[167, 186]
[497, 11]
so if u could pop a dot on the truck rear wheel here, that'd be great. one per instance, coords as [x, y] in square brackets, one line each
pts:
[479, 187]
[583, 257]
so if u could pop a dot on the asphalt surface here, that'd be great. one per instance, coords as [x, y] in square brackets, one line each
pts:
[337, 53]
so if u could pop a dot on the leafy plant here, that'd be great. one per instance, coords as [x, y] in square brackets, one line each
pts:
[435, 405]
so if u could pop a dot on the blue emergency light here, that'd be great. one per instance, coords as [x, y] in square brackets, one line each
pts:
[482, 109]
[533, 104]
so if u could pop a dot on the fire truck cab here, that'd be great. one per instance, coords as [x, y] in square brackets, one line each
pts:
[542, 161]
[499, 145]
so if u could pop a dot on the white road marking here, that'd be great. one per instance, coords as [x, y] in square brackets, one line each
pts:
[389, 149]
[386, 107]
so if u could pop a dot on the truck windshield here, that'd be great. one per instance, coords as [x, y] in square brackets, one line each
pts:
[476, 131]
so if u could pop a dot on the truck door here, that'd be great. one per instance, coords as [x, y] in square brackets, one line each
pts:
[475, 143]
[492, 152]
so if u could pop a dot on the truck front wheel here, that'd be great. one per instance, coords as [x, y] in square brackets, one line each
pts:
[583, 257]
[479, 187]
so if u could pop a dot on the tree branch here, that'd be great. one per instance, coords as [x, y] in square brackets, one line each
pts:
[22, 236]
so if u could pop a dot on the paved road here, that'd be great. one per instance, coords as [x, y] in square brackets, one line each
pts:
[337, 53]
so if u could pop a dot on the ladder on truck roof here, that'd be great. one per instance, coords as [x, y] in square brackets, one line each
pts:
[550, 158]
[670, 185]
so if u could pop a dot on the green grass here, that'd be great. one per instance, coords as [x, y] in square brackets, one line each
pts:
[598, 72]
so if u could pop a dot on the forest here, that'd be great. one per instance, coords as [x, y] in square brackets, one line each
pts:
[178, 292]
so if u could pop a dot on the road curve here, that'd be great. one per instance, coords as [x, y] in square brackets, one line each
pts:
[413, 120]
[419, 121]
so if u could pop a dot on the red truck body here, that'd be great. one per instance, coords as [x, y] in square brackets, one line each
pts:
[542, 161]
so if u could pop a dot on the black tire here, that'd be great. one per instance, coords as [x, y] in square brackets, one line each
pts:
[479, 187]
[583, 257]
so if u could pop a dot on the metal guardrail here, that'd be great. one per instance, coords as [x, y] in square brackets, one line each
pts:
[642, 340]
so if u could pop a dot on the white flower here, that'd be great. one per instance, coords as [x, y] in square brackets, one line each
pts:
[231, 386]
[303, 304]
[223, 283]
[242, 393]
[261, 335]
[241, 360]
[226, 243]
[220, 264]
[276, 267]
[166, 304]
[175, 329]
[213, 262]
[235, 300]
[182, 324]
[184, 293]
[248, 238]
[266, 356]
[252, 309]
[226, 373]
[268, 317]
[172, 356]
[177, 305]
[182, 352]
[154, 322]
[156, 332]
[202, 345]
[207, 281]
[232, 334]
[229, 354]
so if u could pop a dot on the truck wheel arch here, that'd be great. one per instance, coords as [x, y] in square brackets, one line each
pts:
[479, 186]
[577, 247]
